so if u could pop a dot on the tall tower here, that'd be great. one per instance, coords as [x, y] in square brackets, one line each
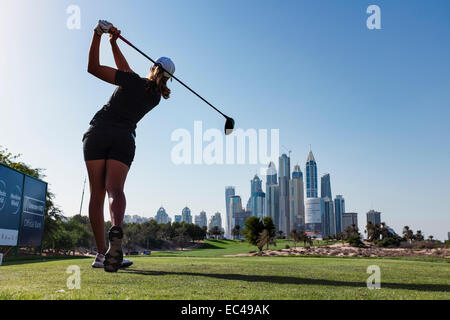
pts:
[257, 198]
[186, 215]
[273, 195]
[311, 176]
[235, 207]
[325, 186]
[297, 201]
[229, 192]
[283, 180]
[339, 210]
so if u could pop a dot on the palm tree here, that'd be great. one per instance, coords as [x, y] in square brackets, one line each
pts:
[294, 236]
[280, 234]
[408, 234]
[430, 237]
[340, 236]
[419, 236]
[265, 239]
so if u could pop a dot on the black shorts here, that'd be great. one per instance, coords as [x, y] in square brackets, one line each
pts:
[109, 143]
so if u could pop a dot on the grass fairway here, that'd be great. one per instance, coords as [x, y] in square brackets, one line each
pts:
[216, 248]
[215, 277]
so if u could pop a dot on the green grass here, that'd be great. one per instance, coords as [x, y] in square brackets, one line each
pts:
[214, 277]
[216, 248]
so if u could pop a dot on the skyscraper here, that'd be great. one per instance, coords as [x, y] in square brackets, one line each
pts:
[329, 220]
[201, 220]
[325, 186]
[374, 217]
[229, 192]
[297, 201]
[311, 177]
[348, 219]
[283, 181]
[215, 221]
[186, 215]
[272, 195]
[339, 209]
[235, 207]
[162, 216]
[178, 218]
[257, 199]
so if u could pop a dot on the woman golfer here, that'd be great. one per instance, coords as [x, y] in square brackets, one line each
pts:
[109, 143]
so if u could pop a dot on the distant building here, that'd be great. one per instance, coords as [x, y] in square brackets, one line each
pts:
[229, 192]
[178, 218]
[349, 218]
[329, 221]
[339, 209]
[314, 213]
[235, 206]
[374, 217]
[284, 176]
[135, 219]
[215, 221]
[162, 216]
[311, 176]
[257, 199]
[186, 215]
[297, 200]
[272, 195]
[201, 220]
[325, 186]
[239, 219]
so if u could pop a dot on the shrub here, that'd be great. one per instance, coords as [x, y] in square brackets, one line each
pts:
[287, 246]
[391, 242]
[355, 241]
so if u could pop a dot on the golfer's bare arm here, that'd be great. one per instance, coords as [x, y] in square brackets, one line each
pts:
[104, 73]
[120, 60]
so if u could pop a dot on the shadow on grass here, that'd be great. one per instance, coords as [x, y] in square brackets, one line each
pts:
[209, 246]
[295, 280]
[11, 261]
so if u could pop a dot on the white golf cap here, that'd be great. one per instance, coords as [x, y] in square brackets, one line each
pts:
[168, 65]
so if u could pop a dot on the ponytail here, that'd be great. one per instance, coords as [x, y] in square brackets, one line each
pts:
[160, 87]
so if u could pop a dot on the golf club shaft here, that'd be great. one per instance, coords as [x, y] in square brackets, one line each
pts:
[186, 86]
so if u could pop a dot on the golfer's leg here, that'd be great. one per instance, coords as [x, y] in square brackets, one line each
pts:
[116, 174]
[96, 172]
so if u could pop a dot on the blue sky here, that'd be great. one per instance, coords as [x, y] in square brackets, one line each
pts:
[374, 104]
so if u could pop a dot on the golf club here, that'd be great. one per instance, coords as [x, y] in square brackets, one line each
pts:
[229, 124]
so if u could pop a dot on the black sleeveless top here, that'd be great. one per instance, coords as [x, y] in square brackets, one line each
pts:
[129, 103]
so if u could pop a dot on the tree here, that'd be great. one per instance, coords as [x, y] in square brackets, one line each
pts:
[419, 236]
[252, 230]
[215, 232]
[269, 226]
[294, 237]
[340, 236]
[236, 232]
[430, 237]
[280, 234]
[408, 234]
[265, 239]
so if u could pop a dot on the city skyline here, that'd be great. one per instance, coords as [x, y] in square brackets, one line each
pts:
[376, 115]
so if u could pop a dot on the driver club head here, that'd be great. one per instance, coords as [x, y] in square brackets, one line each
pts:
[229, 126]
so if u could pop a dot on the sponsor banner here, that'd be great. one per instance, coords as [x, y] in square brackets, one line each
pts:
[11, 184]
[32, 226]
